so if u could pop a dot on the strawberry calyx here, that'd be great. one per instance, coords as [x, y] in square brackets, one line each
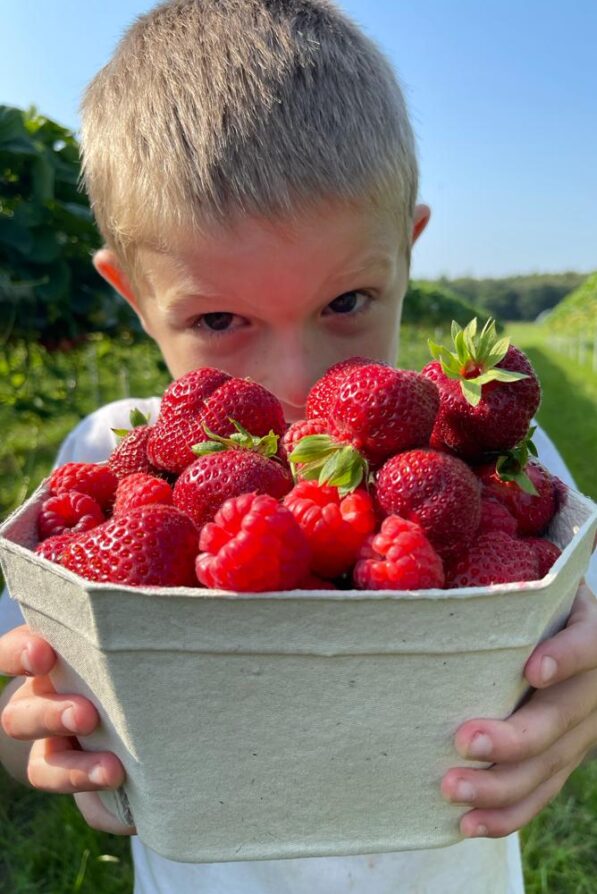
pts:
[475, 358]
[511, 465]
[241, 439]
[137, 419]
[326, 461]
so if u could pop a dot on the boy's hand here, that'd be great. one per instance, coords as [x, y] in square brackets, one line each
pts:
[536, 749]
[35, 712]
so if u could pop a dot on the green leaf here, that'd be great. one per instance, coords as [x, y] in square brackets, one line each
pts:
[461, 348]
[498, 351]
[121, 432]
[343, 470]
[138, 418]
[471, 391]
[455, 329]
[313, 448]
[207, 447]
[504, 375]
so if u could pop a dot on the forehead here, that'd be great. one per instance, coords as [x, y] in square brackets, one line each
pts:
[251, 251]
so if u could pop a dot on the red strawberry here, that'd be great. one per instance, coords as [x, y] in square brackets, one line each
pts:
[254, 544]
[140, 489]
[494, 558]
[495, 517]
[547, 553]
[129, 455]
[381, 410]
[152, 546]
[94, 479]
[437, 491]
[70, 511]
[209, 398]
[216, 477]
[488, 393]
[399, 557]
[533, 513]
[335, 527]
[53, 547]
[325, 389]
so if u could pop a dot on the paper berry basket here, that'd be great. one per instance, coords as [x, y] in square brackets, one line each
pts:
[303, 723]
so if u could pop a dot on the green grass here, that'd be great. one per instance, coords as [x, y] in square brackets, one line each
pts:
[45, 846]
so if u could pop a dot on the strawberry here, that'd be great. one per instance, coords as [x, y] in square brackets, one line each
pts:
[69, 511]
[437, 491]
[334, 526]
[495, 517]
[253, 544]
[152, 546]
[494, 558]
[381, 410]
[324, 390]
[94, 479]
[209, 398]
[140, 489]
[547, 553]
[216, 477]
[532, 512]
[398, 557]
[53, 547]
[488, 393]
[130, 454]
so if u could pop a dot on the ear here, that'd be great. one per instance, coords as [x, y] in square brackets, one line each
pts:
[420, 220]
[108, 266]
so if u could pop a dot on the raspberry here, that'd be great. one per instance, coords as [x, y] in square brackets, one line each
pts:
[94, 479]
[398, 557]
[254, 544]
[335, 527]
[69, 511]
[494, 558]
[547, 553]
[302, 429]
[139, 489]
[53, 547]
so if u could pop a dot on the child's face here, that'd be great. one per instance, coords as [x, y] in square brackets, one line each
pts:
[278, 302]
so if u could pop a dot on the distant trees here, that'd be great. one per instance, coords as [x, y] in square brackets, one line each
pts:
[516, 297]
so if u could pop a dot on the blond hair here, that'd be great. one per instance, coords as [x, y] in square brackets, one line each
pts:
[213, 107]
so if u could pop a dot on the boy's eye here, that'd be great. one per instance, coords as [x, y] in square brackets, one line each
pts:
[217, 322]
[348, 303]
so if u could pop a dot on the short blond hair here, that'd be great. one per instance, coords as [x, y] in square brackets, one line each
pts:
[213, 107]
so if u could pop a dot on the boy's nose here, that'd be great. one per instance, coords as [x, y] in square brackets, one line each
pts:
[289, 373]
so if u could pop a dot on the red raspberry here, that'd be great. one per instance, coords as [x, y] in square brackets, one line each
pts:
[53, 547]
[94, 479]
[495, 517]
[494, 558]
[69, 511]
[399, 557]
[547, 553]
[254, 544]
[335, 527]
[301, 429]
[139, 489]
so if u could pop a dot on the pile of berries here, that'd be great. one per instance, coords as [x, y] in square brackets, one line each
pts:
[394, 480]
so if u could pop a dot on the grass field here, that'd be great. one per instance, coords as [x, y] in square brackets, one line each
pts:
[45, 847]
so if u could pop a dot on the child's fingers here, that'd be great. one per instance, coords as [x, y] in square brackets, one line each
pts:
[503, 785]
[98, 817]
[22, 653]
[571, 651]
[55, 765]
[504, 821]
[29, 715]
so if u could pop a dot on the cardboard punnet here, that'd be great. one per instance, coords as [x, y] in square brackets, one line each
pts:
[303, 723]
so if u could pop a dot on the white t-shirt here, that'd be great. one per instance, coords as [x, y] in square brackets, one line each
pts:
[477, 866]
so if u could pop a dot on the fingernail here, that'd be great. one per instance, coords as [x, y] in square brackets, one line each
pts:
[480, 746]
[549, 667]
[480, 831]
[68, 719]
[97, 775]
[464, 791]
[26, 661]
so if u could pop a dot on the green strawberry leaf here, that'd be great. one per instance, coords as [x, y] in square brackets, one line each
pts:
[121, 432]
[471, 391]
[313, 448]
[207, 447]
[138, 418]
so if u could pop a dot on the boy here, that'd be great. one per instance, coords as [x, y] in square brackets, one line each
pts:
[252, 169]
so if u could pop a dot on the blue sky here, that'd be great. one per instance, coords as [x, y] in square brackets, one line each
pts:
[503, 96]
